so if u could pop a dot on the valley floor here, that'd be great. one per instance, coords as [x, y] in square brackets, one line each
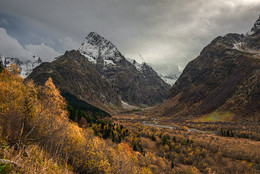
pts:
[210, 147]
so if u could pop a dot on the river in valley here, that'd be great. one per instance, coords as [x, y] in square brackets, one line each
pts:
[154, 123]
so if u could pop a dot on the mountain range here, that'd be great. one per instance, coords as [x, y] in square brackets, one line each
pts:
[99, 74]
[25, 67]
[225, 77]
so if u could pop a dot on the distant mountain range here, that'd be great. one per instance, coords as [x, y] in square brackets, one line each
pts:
[99, 74]
[169, 79]
[225, 77]
[25, 67]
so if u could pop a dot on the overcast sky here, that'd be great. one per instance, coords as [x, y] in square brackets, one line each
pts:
[167, 34]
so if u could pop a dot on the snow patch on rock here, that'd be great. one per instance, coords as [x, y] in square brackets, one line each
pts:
[128, 106]
[239, 46]
[137, 65]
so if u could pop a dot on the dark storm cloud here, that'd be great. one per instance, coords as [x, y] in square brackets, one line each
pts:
[166, 33]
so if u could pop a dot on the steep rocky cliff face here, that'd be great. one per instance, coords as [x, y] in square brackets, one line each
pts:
[135, 84]
[72, 73]
[225, 77]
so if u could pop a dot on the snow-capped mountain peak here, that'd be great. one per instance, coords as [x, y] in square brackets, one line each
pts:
[7, 61]
[96, 47]
[25, 67]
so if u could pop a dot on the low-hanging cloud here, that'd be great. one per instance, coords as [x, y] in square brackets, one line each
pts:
[68, 44]
[168, 33]
[10, 47]
[42, 50]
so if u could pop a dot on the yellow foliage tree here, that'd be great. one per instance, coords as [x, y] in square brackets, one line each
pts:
[11, 98]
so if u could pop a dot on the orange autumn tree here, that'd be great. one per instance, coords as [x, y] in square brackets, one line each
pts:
[55, 101]
[124, 160]
[49, 112]
[11, 97]
[52, 108]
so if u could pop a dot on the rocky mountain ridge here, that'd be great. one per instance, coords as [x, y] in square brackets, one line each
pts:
[25, 67]
[224, 77]
[142, 67]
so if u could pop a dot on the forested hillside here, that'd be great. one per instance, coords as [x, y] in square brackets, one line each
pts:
[37, 136]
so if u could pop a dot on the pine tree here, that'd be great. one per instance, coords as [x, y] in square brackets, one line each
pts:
[134, 148]
[231, 134]
[164, 140]
[1, 67]
[153, 138]
[141, 148]
[172, 165]
[119, 139]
